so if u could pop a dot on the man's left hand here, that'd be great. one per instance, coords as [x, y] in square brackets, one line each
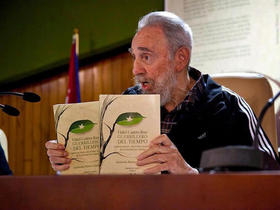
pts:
[163, 151]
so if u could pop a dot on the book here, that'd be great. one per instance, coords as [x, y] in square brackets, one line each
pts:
[106, 137]
[127, 124]
[77, 128]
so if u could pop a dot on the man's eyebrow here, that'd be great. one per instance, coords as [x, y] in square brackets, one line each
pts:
[144, 49]
[139, 48]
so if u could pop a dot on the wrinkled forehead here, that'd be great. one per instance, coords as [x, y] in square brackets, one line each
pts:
[149, 38]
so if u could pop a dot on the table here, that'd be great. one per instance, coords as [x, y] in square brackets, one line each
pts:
[205, 191]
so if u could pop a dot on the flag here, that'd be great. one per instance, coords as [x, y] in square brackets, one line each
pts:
[73, 91]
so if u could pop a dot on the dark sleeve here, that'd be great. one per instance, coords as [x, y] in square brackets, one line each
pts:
[235, 122]
[4, 166]
[227, 123]
[132, 90]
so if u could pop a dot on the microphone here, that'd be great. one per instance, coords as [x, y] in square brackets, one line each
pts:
[240, 158]
[27, 96]
[9, 110]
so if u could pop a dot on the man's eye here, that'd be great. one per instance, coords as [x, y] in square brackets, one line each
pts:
[146, 58]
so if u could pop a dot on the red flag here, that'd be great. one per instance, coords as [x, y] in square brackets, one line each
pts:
[73, 91]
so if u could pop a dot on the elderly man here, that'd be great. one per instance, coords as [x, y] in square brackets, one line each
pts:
[196, 113]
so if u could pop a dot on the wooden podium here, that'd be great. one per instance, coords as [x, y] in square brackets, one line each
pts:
[218, 191]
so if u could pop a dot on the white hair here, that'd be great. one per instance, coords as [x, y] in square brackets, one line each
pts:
[177, 32]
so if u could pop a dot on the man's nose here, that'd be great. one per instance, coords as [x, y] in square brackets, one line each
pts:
[138, 68]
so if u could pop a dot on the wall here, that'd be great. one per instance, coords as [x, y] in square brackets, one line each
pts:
[36, 35]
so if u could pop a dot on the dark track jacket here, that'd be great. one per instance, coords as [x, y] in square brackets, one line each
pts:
[217, 117]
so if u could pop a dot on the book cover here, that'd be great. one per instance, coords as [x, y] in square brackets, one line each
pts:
[77, 127]
[127, 124]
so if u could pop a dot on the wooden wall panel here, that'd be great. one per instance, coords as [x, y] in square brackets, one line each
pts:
[126, 71]
[36, 133]
[97, 82]
[27, 145]
[28, 132]
[117, 74]
[15, 124]
[86, 84]
[107, 77]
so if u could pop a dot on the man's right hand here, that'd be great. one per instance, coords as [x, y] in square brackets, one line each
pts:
[57, 156]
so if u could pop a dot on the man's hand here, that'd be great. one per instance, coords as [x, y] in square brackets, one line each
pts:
[164, 152]
[57, 156]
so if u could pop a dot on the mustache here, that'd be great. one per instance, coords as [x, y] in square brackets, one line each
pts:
[141, 79]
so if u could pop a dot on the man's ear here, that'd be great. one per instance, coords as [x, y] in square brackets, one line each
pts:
[182, 58]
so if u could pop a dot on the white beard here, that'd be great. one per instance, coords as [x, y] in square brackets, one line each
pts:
[163, 85]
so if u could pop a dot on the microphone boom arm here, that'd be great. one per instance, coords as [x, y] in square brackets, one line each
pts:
[27, 96]
[263, 111]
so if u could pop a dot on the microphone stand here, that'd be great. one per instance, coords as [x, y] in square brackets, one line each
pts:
[265, 108]
[240, 158]
[9, 110]
[27, 96]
